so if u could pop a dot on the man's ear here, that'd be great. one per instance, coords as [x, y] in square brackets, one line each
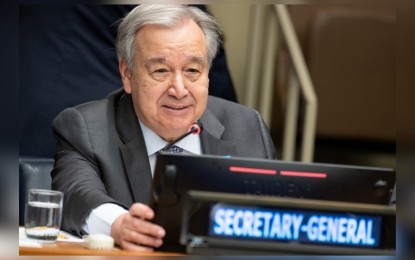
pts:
[125, 76]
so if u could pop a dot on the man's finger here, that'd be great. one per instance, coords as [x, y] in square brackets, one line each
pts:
[141, 211]
[145, 227]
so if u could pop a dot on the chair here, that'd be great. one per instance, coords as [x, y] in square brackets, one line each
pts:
[34, 172]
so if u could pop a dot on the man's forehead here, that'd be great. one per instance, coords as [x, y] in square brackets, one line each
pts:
[163, 60]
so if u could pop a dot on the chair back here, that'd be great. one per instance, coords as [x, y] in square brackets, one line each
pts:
[34, 173]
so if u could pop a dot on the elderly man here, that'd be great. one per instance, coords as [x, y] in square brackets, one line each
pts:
[107, 149]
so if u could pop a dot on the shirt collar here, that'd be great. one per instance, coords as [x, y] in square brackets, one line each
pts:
[155, 143]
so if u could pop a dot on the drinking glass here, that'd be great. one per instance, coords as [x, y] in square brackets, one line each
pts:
[43, 214]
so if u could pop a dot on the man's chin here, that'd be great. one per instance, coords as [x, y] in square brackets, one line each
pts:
[173, 134]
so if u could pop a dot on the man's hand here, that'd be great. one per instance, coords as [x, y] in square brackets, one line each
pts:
[132, 230]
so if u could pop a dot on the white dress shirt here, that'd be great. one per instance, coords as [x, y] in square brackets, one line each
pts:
[101, 218]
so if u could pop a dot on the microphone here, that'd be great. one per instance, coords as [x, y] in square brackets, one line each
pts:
[196, 128]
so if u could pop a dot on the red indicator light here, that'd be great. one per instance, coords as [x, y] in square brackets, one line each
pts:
[251, 170]
[304, 174]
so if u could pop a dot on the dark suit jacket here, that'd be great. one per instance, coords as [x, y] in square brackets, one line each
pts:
[101, 155]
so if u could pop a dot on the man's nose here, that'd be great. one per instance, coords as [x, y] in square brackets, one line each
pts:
[178, 87]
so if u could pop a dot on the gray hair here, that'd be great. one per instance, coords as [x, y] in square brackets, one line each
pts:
[169, 16]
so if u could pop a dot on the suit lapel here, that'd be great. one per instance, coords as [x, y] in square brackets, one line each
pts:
[211, 136]
[134, 152]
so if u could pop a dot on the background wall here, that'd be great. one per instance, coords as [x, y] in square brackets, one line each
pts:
[235, 20]
[348, 148]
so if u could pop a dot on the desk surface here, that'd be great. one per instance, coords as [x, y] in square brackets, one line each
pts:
[71, 245]
[76, 248]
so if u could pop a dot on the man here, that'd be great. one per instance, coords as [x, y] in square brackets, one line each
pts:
[107, 149]
[81, 69]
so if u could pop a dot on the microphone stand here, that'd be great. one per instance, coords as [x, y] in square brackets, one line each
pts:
[195, 128]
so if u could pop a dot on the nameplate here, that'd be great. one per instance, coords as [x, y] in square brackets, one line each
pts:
[301, 226]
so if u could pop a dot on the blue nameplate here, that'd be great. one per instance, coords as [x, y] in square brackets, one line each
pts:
[305, 226]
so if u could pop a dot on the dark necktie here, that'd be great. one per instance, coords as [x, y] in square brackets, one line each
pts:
[172, 149]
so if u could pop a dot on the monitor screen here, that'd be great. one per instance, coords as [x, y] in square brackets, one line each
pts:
[176, 174]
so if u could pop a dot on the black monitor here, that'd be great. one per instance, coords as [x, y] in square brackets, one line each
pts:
[175, 175]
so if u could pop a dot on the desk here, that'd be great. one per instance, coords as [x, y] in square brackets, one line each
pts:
[70, 245]
[73, 248]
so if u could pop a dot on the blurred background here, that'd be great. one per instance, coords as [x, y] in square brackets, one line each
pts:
[349, 51]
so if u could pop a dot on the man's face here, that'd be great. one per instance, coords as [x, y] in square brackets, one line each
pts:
[169, 83]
